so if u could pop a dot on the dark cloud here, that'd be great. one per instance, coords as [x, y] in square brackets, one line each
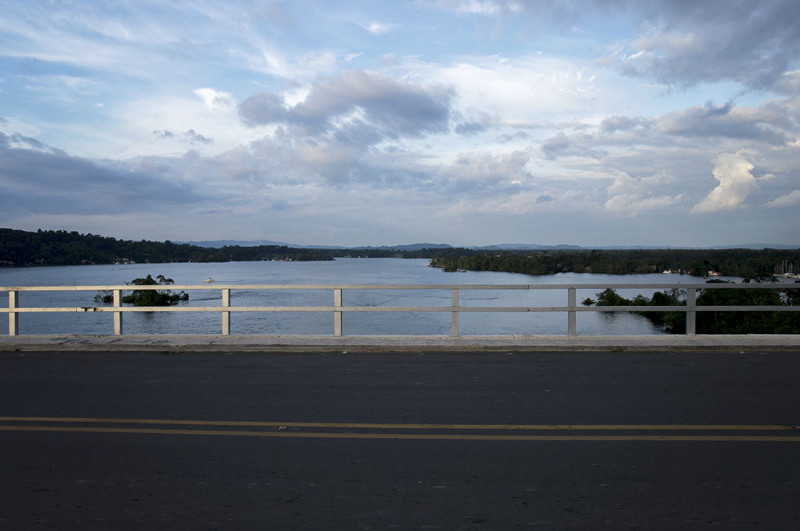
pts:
[359, 133]
[470, 128]
[507, 137]
[36, 179]
[615, 124]
[555, 145]
[685, 42]
[562, 145]
[18, 141]
[789, 84]
[362, 104]
[762, 124]
[263, 108]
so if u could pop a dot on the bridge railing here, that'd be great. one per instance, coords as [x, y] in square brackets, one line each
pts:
[338, 308]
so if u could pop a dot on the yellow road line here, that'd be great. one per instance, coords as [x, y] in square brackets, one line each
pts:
[568, 430]
[351, 425]
[406, 436]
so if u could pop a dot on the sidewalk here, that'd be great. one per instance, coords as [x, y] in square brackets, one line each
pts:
[249, 343]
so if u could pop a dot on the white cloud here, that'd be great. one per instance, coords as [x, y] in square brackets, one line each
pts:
[789, 200]
[490, 8]
[736, 183]
[632, 197]
[215, 99]
[378, 28]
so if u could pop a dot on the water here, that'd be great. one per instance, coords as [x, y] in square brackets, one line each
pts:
[340, 271]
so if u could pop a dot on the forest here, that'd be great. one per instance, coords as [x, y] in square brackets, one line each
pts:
[745, 263]
[59, 247]
[717, 322]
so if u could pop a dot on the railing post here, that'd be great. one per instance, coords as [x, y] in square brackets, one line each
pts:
[13, 318]
[226, 314]
[337, 315]
[117, 313]
[572, 328]
[454, 314]
[691, 314]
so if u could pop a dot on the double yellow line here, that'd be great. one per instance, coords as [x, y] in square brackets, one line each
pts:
[470, 432]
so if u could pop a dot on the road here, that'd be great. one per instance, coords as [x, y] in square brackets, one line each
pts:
[400, 441]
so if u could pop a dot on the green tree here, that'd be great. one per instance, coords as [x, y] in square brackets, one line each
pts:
[147, 297]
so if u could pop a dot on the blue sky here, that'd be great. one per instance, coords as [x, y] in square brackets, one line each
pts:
[469, 122]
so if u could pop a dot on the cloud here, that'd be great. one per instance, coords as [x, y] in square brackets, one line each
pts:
[37, 179]
[764, 124]
[264, 108]
[378, 28]
[215, 99]
[506, 111]
[614, 124]
[689, 43]
[196, 138]
[736, 183]
[789, 200]
[562, 145]
[470, 128]
[487, 8]
[555, 145]
[356, 102]
[191, 136]
[482, 171]
[632, 197]
[679, 43]
[789, 83]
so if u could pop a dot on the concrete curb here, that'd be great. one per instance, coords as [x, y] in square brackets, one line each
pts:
[219, 343]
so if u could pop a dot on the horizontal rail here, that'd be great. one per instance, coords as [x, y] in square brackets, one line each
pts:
[338, 308]
[372, 287]
[463, 309]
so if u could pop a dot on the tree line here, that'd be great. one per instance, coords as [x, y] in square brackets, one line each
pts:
[746, 263]
[60, 247]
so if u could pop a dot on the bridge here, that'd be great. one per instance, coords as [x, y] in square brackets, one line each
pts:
[341, 431]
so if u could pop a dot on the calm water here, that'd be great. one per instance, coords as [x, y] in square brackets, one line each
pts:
[340, 271]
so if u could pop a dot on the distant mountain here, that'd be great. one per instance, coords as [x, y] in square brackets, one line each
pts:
[526, 247]
[756, 246]
[410, 247]
[218, 244]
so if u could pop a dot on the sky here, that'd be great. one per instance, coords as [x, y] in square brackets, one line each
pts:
[467, 122]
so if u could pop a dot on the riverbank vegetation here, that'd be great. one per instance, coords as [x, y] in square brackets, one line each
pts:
[21, 248]
[147, 297]
[746, 263]
[717, 322]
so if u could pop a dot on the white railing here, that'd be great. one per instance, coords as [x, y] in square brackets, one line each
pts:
[690, 308]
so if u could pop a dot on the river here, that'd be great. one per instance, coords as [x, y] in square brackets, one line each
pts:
[339, 271]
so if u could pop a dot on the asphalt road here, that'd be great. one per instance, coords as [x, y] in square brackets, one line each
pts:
[400, 441]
